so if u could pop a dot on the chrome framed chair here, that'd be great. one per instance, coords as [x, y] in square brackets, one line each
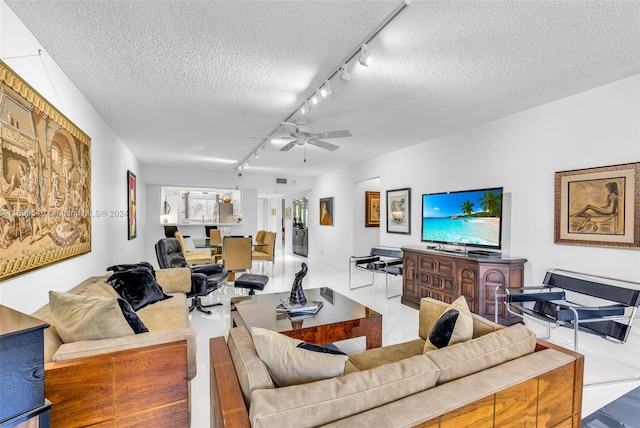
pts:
[266, 253]
[193, 257]
[215, 242]
[386, 260]
[236, 253]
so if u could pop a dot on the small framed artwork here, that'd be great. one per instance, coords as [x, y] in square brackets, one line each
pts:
[399, 211]
[598, 206]
[326, 211]
[372, 209]
[133, 205]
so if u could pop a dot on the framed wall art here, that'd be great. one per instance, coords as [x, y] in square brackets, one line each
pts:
[132, 204]
[598, 206]
[399, 211]
[326, 211]
[45, 181]
[372, 209]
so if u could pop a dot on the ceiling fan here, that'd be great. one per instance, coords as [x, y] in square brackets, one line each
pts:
[302, 135]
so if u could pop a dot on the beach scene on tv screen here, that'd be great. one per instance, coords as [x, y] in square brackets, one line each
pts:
[462, 217]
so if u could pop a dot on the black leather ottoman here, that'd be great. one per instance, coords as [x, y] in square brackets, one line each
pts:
[251, 281]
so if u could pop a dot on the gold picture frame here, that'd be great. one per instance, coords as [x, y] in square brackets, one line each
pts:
[45, 181]
[326, 211]
[372, 209]
[598, 206]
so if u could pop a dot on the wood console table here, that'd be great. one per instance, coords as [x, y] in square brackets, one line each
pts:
[445, 276]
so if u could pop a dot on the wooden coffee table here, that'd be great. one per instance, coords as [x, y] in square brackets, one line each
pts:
[340, 317]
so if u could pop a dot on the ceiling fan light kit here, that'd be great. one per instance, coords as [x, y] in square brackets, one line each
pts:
[301, 137]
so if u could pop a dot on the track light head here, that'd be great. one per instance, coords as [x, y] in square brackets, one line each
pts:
[365, 56]
[305, 108]
[345, 76]
[316, 99]
[325, 89]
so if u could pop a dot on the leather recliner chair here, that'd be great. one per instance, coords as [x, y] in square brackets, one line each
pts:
[205, 278]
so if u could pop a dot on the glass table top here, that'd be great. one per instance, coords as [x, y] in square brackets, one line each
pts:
[260, 310]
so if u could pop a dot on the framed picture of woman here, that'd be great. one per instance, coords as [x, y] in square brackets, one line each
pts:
[598, 206]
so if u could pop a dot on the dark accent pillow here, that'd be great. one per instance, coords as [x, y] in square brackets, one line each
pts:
[455, 325]
[442, 330]
[123, 267]
[325, 349]
[138, 287]
[131, 317]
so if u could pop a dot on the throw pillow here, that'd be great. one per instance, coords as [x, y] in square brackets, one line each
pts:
[455, 325]
[123, 267]
[289, 364]
[138, 287]
[79, 318]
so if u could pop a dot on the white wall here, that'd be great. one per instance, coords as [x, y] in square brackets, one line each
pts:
[110, 161]
[520, 152]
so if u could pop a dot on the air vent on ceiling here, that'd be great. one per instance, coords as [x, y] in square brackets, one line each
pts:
[281, 181]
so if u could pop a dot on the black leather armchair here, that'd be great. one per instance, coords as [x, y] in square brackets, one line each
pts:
[205, 278]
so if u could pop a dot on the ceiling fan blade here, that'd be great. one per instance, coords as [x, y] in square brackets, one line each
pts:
[323, 145]
[332, 134]
[288, 146]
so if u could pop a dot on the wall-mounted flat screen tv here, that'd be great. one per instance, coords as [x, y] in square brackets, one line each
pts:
[468, 218]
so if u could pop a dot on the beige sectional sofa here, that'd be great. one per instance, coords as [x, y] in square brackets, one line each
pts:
[122, 381]
[502, 376]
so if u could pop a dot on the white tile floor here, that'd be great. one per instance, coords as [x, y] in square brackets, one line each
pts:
[604, 360]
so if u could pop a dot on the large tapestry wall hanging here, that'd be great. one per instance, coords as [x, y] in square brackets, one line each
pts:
[45, 181]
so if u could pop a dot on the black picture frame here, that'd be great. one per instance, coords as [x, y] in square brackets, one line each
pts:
[399, 211]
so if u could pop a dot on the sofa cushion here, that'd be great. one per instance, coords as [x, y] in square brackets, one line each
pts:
[123, 267]
[100, 289]
[80, 318]
[289, 364]
[375, 357]
[455, 325]
[251, 371]
[431, 309]
[328, 400]
[138, 287]
[479, 354]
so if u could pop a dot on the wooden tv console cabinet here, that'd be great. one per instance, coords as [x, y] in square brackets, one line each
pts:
[445, 276]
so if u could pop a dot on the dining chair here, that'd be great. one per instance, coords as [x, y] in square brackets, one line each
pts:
[192, 257]
[266, 253]
[215, 241]
[236, 254]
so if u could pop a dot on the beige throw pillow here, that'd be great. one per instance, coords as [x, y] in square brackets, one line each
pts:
[455, 325]
[289, 364]
[79, 317]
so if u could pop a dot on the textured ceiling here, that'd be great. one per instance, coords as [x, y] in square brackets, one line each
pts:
[188, 82]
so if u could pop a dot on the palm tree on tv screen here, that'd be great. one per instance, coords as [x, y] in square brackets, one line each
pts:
[467, 207]
[490, 203]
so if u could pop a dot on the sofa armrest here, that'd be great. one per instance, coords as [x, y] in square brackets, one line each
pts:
[142, 386]
[86, 348]
[228, 408]
[174, 280]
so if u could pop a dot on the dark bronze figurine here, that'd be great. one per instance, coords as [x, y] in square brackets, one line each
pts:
[297, 296]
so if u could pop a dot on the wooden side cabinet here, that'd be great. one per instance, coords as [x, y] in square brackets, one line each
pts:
[22, 402]
[447, 276]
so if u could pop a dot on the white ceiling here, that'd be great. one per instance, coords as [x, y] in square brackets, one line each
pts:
[186, 82]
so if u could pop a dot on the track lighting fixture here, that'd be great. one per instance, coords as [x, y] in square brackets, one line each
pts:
[365, 56]
[325, 90]
[345, 76]
[360, 51]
